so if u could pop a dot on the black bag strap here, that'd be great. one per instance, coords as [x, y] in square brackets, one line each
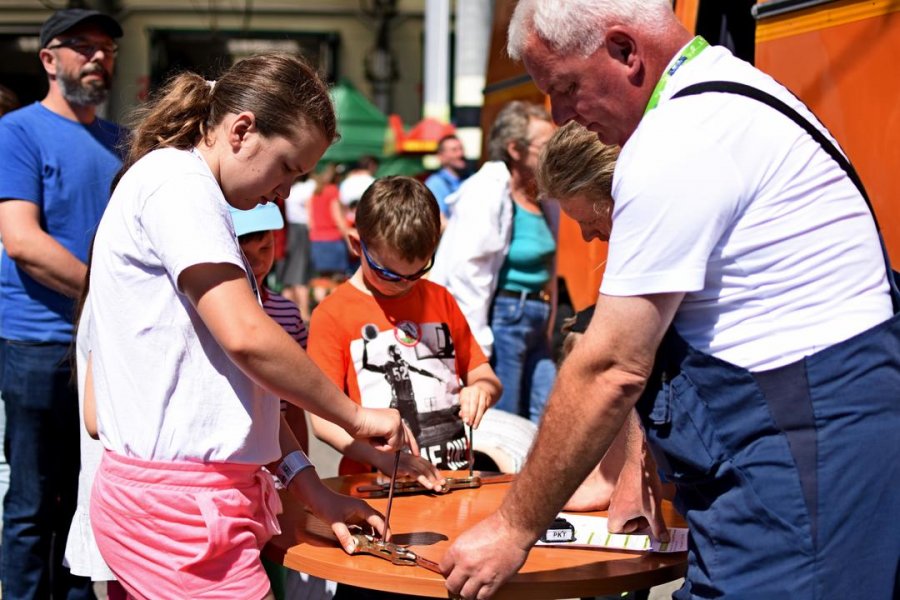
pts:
[733, 87]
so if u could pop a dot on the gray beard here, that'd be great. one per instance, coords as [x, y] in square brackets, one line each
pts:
[79, 94]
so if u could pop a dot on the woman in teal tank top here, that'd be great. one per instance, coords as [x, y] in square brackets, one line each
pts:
[498, 258]
[521, 312]
[521, 308]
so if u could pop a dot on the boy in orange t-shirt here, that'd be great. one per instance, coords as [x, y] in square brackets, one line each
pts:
[391, 339]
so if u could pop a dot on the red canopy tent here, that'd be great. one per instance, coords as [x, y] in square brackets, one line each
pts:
[422, 138]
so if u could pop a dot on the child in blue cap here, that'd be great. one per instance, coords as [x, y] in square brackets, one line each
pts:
[255, 230]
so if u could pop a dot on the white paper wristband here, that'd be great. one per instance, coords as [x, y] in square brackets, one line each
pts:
[290, 465]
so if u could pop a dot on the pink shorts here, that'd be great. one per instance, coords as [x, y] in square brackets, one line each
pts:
[184, 530]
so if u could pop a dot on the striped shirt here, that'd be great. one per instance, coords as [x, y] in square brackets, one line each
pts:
[285, 313]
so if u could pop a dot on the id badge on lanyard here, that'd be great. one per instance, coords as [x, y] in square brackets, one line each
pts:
[697, 45]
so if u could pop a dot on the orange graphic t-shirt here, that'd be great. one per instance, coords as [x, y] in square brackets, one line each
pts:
[410, 353]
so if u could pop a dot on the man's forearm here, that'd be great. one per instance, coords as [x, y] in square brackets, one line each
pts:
[38, 253]
[634, 439]
[595, 390]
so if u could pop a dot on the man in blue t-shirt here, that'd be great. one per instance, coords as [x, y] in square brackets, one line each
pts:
[59, 160]
[446, 180]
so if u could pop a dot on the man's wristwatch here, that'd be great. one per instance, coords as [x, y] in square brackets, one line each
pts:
[290, 465]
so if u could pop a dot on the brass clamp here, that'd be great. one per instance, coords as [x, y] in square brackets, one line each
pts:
[381, 490]
[397, 555]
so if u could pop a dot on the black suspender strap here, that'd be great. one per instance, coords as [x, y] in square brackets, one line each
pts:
[732, 87]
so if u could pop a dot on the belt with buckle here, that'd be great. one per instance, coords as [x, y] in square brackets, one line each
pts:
[541, 296]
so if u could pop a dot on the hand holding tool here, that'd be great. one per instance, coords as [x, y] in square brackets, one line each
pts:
[398, 555]
[405, 488]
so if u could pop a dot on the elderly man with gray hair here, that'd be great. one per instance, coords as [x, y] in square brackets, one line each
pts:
[748, 312]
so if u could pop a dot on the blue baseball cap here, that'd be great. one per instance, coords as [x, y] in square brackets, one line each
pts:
[264, 217]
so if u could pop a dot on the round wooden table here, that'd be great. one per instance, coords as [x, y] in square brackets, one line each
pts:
[429, 523]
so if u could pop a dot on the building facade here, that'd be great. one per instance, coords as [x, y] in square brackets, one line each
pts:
[376, 44]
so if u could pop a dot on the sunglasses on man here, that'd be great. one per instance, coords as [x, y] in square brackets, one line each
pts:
[389, 275]
[85, 48]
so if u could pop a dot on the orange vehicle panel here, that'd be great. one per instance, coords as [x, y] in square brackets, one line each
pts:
[841, 60]
[686, 11]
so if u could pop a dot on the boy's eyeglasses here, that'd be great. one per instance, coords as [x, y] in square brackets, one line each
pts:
[389, 275]
[86, 49]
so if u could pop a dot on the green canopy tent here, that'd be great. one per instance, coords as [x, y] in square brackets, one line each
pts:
[401, 164]
[363, 128]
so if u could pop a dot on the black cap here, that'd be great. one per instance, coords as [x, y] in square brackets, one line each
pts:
[64, 20]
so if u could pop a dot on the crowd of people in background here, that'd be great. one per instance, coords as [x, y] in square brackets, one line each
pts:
[330, 230]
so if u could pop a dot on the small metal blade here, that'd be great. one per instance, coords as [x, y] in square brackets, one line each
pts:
[471, 455]
[387, 515]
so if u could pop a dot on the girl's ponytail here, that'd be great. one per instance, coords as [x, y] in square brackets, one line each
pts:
[176, 118]
[283, 92]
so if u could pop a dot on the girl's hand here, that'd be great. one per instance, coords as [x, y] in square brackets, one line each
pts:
[473, 402]
[417, 467]
[384, 429]
[337, 510]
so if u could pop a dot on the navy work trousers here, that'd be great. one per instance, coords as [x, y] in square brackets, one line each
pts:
[788, 478]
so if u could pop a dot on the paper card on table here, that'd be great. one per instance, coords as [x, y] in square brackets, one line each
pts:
[592, 532]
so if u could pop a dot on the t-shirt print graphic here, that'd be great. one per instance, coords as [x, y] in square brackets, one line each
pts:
[412, 367]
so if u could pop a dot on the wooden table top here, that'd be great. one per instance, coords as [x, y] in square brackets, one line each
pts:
[429, 523]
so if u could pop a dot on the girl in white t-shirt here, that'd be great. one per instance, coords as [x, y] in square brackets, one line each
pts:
[81, 554]
[186, 368]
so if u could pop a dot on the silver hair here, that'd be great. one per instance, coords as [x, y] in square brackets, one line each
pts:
[578, 26]
[511, 125]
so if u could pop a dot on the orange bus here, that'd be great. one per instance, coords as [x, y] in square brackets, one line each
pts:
[835, 55]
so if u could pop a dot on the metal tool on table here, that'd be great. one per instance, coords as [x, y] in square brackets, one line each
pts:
[406, 488]
[398, 555]
[471, 455]
[387, 515]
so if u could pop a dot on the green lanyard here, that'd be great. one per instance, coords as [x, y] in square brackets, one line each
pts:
[697, 45]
